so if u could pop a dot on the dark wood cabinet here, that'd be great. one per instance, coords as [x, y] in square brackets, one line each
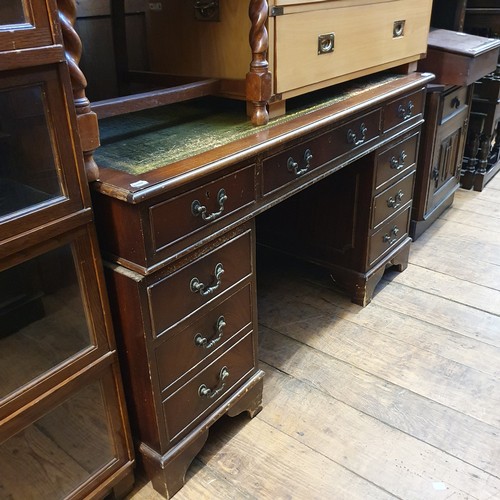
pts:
[457, 60]
[481, 159]
[440, 160]
[63, 425]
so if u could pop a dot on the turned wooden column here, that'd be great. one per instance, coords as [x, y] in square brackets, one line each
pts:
[86, 119]
[258, 79]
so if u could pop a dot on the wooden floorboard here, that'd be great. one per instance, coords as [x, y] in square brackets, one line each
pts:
[400, 399]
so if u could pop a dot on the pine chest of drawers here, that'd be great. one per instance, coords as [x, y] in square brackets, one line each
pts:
[308, 44]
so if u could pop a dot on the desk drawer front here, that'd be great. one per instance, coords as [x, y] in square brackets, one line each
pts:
[391, 200]
[187, 290]
[405, 109]
[389, 235]
[185, 407]
[207, 337]
[295, 162]
[395, 160]
[201, 207]
[453, 103]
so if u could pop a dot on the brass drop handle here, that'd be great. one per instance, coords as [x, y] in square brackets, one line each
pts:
[395, 201]
[406, 112]
[398, 163]
[352, 137]
[294, 166]
[388, 237]
[206, 392]
[198, 209]
[197, 286]
[202, 341]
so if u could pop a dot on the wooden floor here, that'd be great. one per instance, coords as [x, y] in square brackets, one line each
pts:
[400, 399]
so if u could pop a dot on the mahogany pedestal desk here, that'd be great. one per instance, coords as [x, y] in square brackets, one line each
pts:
[179, 193]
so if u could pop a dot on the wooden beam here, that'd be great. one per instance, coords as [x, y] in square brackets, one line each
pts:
[146, 100]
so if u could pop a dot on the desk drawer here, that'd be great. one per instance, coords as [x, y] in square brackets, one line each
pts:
[185, 407]
[388, 236]
[396, 159]
[404, 109]
[299, 160]
[454, 103]
[204, 338]
[391, 200]
[185, 291]
[179, 217]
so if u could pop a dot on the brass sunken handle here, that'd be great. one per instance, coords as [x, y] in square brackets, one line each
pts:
[326, 43]
[395, 202]
[406, 112]
[202, 341]
[206, 392]
[197, 286]
[198, 209]
[352, 137]
[398, 163]
[388, 238]
[294, 167]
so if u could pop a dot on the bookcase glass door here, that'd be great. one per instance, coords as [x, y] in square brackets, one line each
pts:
[12, 12]
[29, 176]
[43, 318]
[61, 451]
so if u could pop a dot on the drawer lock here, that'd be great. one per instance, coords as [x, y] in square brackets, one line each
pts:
[197, 286]
[354, 139]
[206, 392]
[202, 341]
[198, 209]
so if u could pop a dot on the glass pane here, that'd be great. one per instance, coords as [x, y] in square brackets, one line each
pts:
[12, 12]
[56, 454]
[42, 318]
[28, 173]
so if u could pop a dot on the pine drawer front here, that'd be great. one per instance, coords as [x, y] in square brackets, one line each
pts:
[207, 337]
[454, 103]
[188, 405]
[404, 110]
[388, 236]
[184, 292]
[287, 166]
[395, 161]
[392, 199]
[190, 212]
[366, 38]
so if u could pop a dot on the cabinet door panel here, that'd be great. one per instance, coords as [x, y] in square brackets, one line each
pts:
[51, 317]
[67, 449]
[39, 156]
[24, 24]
